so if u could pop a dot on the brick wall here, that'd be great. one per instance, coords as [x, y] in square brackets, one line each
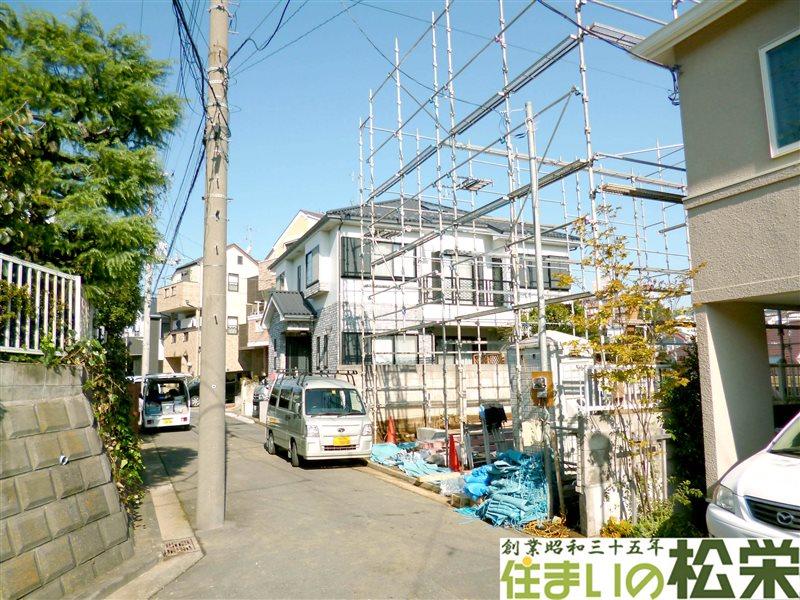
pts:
[61, 525]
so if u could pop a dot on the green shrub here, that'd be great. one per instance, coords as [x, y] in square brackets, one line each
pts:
[617, 528]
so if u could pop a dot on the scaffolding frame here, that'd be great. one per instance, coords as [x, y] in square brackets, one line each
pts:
[446, 203]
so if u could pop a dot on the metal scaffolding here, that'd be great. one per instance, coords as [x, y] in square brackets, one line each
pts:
[424, 224]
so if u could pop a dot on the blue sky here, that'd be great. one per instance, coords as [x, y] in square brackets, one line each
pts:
[295, 114]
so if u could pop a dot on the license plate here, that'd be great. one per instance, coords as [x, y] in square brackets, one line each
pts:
[341, 441]
[166, 421]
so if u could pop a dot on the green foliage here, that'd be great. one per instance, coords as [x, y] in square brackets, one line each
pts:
[674, 517]
[616, 528]
[683, 418]
[14, 300]
[82, 115]
[106, 387]
[561, 317]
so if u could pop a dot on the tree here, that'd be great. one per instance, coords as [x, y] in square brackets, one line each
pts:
[631, 313]
[82, 115]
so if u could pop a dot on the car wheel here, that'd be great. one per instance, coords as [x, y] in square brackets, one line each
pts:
[270, 445]
[187, 427]
[295, 457]
[194, 401]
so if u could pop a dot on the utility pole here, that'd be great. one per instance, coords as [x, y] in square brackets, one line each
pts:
[148, 298]
[211, 453]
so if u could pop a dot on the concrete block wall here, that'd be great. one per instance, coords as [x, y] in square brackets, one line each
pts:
[61, 521]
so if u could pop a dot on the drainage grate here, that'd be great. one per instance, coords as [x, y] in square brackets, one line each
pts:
[173, 547]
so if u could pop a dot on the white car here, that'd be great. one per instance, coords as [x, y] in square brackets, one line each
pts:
[760, 496]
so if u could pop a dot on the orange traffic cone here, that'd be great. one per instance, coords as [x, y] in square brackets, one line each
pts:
[391, 432]
[452, 455]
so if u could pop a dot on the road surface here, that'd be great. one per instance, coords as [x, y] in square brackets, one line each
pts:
[323, 532]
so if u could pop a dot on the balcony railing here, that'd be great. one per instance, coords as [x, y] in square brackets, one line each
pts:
[786, 381]
[626, 396]
[466, 291]
[41, 303]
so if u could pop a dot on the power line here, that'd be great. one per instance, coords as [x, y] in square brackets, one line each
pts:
[242, 68]
[251, 40]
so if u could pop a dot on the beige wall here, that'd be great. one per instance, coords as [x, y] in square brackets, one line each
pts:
[748, 243]
[722, 99]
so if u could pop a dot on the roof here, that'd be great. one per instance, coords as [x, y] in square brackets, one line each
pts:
[660, 46]
[228, 247]
[387, 212]
[291, 305]
[317, 382]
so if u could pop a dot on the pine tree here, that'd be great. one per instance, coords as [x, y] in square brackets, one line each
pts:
[82, 116]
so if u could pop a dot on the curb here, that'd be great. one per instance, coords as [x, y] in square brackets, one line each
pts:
[174, 526]
[424, 488]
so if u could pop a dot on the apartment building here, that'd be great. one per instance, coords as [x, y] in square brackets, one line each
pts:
[180, 303]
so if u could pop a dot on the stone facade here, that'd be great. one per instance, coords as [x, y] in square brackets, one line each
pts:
[326, 324]
[61, 521]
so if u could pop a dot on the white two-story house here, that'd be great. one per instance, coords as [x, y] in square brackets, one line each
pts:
[329, 293]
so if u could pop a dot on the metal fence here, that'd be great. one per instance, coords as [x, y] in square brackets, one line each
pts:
[39, 304]
[625, 395]
[785, 379]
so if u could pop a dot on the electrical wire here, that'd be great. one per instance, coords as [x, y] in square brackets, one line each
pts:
[242, 68]
[269, 39]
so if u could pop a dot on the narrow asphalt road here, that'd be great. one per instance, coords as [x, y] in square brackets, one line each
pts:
[332, 531]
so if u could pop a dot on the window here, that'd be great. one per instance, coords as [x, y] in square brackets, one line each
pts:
[780, 76]
[351, 348]
[557, 273]
[283, 400]
[312, 266]
[233, 282]
[273, 397]
[352, 257]
[280, 282]
[319, 353]
[186, 275]
[239, 260]
[233, 325]
[357, 258]
[325, 352]
[299, 277]
[333, 401]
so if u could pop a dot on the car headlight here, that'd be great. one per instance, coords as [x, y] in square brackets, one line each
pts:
[367, 429]
[725, 498]
[312, 431]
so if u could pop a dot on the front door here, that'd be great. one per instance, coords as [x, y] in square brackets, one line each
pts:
[298, 353]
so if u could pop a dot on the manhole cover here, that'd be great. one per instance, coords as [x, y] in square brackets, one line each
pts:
[173, 547]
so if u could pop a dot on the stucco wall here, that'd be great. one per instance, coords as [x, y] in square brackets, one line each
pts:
[61, 525]
[747, 243]
[722, 99]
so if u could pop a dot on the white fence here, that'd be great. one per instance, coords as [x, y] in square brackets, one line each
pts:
[625, 395]
[42, 303]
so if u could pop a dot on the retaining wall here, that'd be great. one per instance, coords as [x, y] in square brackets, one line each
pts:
[61, 521]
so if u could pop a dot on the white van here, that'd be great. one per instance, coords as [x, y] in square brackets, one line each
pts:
[317, 418]
[164, 402]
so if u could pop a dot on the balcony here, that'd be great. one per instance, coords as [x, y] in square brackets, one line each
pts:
[182, 342]
[178, 297]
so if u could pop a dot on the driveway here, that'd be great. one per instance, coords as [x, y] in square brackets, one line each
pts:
[324, 532]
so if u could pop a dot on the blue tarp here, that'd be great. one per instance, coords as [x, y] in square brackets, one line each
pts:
[411, 463]
[514, 487]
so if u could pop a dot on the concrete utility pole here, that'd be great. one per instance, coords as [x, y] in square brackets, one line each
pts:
[148, 299]
[211, 454]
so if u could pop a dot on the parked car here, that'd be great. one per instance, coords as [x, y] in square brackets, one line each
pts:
[194, 391]
[317, 418]
[260, 394]
[164, 402]
[760, 496]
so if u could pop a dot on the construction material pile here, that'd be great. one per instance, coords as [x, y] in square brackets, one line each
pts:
[513, 490]
[403, 456]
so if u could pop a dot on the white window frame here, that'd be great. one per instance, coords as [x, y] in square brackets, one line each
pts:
[233, 278]
[232, 325]
[774, 150]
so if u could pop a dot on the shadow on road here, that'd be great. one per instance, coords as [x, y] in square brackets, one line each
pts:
[176, 460]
